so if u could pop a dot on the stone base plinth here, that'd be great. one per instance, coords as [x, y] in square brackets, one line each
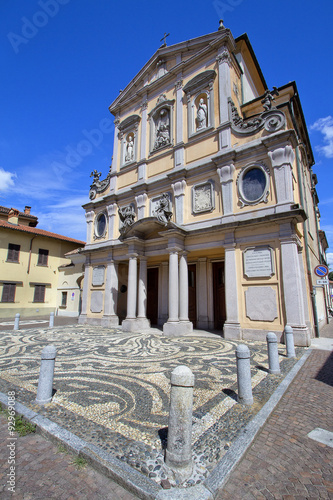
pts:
[177, 328]
[302, 336]
[232, 331]
[110, 321]
[135, 325]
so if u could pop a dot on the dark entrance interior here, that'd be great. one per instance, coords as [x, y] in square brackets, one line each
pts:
[152, 295]
[192, 292]
[219, 295]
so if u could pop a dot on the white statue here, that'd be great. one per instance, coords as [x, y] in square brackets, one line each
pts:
[201, 115]
[162, 129]
[129, 149]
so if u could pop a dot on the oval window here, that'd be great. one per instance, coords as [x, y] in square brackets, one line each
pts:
[100, 225]
[253, 184]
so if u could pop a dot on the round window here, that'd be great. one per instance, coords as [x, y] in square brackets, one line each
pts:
[253, 184]
[100, 225]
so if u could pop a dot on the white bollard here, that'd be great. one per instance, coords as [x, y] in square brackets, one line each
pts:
[244, 375]
[45, 382]
[17, 321]
[178, 456]
[51, 323]
[273, 354]
[289, 340]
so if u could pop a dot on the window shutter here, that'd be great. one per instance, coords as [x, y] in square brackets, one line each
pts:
[39, 293]
[8, 292]
[13, 252]
[42, 257]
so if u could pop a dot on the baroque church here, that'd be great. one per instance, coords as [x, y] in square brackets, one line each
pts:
[207, 218]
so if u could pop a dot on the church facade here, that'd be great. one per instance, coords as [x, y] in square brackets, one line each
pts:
[207, 218]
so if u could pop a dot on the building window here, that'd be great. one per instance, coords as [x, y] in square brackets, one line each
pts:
[43, 256]
[253, 184]
[8, 292]
[100, 225]
[39, 294]
[63, 299]
[13, 252]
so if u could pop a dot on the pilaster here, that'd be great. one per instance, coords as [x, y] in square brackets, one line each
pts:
[89, 220]
[179, 195]
[112, 211]
[224, 64]
[110, 318]
[231, 329]
[85, 293]
[226, 179]
[282, 160]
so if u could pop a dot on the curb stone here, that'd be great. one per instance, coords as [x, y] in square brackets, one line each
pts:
[137, 483]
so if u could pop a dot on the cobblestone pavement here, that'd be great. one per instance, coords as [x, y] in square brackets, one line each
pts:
[283, 462]
[44, 472]
[113, 389]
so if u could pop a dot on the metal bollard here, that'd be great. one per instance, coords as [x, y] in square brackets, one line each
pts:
[289, 340]
[178, 454]
[273, 354]
[45, 382]
[17, 321]
[244, 375]
[51, 322]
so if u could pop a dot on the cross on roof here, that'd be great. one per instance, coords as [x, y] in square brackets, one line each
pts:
[164, 39]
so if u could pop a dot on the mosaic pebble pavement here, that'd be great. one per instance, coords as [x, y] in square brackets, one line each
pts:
[113, 388]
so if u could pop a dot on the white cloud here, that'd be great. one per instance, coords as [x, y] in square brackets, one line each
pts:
[329, 257]
[69, 222]
[6, 179]
[325, 127]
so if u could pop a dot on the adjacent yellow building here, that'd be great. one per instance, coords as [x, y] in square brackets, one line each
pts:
[208, 216]
[32, 263]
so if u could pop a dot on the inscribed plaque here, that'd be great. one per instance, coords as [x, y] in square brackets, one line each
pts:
[98, 275]
[258, 262]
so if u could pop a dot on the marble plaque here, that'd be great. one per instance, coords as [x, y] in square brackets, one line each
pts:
[261, 303]
[258, 262]
[96, 302]
[202, 198]
[98, 275]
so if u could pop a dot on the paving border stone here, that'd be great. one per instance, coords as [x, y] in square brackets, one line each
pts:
[138, 484]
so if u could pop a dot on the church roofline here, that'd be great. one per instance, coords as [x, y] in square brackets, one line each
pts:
[245, 37]
[206, 41]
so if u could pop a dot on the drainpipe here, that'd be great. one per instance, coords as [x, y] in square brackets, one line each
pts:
[305, 230]
[29, 261]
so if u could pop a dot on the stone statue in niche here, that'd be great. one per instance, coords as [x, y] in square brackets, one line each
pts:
[201, 115]
[129, 156]
[127, 216]
[163, 209]
[162, 130]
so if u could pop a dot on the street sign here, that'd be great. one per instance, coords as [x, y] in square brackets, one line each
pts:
[322, 282]
[321, 271]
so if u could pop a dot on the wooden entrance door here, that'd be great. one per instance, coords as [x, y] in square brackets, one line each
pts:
[192, 295]
[152, 295]
[219, 295]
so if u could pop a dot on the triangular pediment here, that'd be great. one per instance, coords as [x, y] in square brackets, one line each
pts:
[190, 50]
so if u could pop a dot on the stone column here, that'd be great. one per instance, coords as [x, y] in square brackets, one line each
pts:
[129, 324]
[86, 290]
[183, 288]
[173, 327]
[224, 64]
[141, 201]
[292, 286]
[179, 195]
[282, 160]
[179, 147]
[110, 318]
[173, 286]
[142, 321]
[89, 220]
[202, 322]
[231, 329]
[226, 178]
[113, 179]
[163, 292]
[112, 211]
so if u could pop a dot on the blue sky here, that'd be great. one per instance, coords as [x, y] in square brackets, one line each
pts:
[64, 61]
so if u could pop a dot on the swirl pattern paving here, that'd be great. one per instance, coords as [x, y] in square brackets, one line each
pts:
[120, 381]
